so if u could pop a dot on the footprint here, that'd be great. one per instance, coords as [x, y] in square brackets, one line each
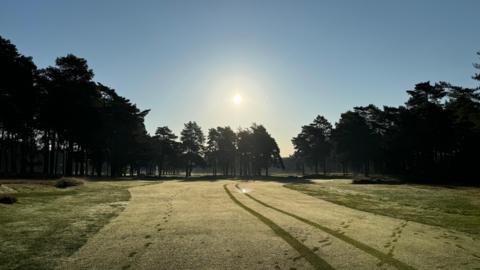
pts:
[327, 244]
[297, 258]
[147, 236]
[148, 244]
[133, 253]
[324, 240]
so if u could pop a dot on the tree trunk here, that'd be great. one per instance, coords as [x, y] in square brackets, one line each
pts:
[69, 167]
[52, 147]
[82, 163]
[46, 153]
[13, 157]
[325, 167]
[367, 168]
[160, 167]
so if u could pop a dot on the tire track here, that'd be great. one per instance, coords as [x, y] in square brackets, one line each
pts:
[384, 258]
[310, 256]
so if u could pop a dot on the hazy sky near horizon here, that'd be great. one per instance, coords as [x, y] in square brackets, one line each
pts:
[289, 60]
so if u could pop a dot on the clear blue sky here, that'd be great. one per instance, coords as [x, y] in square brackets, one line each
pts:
[289, 60]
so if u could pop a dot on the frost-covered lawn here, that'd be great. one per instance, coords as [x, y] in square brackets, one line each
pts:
[47, 223]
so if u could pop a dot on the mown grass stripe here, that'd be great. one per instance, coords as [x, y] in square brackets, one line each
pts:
[309, 255]
[372, 251]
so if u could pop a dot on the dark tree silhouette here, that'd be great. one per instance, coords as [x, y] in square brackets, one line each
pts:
[313, 144]
[165, 148]
[257, 150]
[192, 141]
[19, 102]
[221, 150]
[212, 150]
[70, 104]
[354, 140]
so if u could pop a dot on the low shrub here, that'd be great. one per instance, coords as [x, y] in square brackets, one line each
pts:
[7, 199]
[68, 182]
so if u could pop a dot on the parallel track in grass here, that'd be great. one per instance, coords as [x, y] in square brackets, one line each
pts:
[308, 254]
[383, 257]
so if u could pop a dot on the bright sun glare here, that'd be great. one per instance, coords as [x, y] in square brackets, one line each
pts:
[237, 99]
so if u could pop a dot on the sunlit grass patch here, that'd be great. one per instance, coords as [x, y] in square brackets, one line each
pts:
[48, 223]
[456, 208]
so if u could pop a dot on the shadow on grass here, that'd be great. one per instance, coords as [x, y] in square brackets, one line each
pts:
[451, 182]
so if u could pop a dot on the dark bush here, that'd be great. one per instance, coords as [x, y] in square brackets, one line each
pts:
[7, 199]
[68, 182]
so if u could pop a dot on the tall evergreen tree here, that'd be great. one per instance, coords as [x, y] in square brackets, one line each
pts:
[192, 140]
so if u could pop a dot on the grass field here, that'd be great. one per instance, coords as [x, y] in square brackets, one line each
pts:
[47, 223]
[456, 208]
[232, 224]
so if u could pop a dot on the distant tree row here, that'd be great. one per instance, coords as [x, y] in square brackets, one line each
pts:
[58, 121]
[435, 134]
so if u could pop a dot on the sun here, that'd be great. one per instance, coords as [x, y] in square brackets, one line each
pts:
[237, 99]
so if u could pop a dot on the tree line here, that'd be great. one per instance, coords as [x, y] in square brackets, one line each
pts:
[435, 135]
[59, 121]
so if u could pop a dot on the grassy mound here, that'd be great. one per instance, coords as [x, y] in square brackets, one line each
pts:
[68, 182]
